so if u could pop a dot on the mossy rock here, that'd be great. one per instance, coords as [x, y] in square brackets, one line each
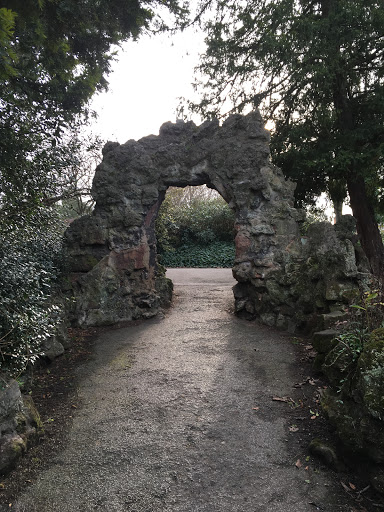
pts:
[357, 410]
[371, 374]
[325, 341]
[338, 364]
[360, 433]
[12, 447]
[83, 263]
[326, 453]
[33, 414]
[164, 288]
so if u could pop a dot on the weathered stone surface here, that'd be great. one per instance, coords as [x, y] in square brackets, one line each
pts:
[164, 288]
[112, 253]
[10, 404]
[19, 420]
[326, 453]
[333, 318]
[355, 402]
[324, 341]
[361, 434]
[52, 348]
[12, 447]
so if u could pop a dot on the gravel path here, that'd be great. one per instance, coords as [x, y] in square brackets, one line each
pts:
[177, 416]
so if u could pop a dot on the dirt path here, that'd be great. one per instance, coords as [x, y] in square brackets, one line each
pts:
[177, 416]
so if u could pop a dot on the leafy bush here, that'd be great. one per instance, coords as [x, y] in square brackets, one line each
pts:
[195, 230]
[30, 263]
[342, 362]
[218, 254]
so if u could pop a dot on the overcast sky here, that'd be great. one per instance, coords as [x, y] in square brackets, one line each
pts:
[145, 83]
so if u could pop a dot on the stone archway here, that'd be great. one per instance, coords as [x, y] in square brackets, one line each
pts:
[112, 253]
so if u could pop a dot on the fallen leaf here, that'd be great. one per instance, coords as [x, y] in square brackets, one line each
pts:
[281, 399]
[298, 464]
[74, 406]
[345, 487]
[306, 468]
[353, 487]
[255, 408]
[2, 486]
[313, 417]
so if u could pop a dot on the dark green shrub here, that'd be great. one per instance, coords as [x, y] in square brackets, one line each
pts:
[218, 254]
[30, 263]
[193, 221]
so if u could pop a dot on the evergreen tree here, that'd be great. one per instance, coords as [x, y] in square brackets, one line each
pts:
[54, 55]
[316, 69]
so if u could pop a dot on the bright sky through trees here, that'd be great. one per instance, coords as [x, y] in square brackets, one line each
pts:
[146, 81]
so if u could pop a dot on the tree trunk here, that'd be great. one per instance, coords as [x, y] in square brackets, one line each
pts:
[338, 210]
[367, 227]
[337, 191]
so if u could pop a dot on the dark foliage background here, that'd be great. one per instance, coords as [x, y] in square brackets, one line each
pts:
[195, 228]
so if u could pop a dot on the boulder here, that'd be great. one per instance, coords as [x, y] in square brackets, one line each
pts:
[324, 341]
[19, 422]
[355, 403]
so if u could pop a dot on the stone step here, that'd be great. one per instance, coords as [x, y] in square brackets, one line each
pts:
[331, 319]
[324, 341]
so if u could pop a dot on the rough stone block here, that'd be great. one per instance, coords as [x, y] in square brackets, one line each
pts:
[12, 447]
[10, 403]
[52, 348]
[333, 318]
[324, 341]
[19, 420]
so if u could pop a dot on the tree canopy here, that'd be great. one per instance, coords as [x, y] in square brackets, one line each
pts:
[61, 50]
[54, 55]
[316, 69]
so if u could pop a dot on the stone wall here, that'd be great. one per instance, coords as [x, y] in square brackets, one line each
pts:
[112, 253]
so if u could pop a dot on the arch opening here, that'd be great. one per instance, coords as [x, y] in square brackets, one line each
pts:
[195, 228]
